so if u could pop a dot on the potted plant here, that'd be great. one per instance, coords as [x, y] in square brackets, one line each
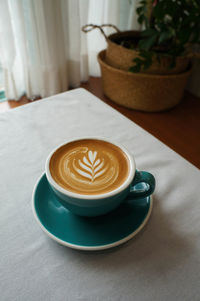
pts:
[148, 70]
[171, 29]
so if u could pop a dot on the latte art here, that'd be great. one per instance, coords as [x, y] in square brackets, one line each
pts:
[92, 167]
[84, 166]
[89, 166]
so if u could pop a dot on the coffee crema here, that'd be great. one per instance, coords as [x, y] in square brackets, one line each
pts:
[89, 166]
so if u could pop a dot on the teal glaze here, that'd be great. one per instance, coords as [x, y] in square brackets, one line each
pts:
[81, 232]
[142, 177]
[92, 207]
[95, 207]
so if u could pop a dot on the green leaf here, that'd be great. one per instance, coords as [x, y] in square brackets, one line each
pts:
[145, 54]
[137, 60]
[173, 24]
[135, 69]
[143, 2]
[184, 35]
[139, 10]
[147, 44]
[142, 63]
[165, 36]
[149, 32]
[141, 19]
[147, 64]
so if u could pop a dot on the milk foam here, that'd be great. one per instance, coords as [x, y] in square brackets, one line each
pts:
[84, 166]
[89, 170]
[92, 167]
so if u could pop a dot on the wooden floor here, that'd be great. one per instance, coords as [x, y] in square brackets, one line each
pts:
[179, 128]
[11, 104]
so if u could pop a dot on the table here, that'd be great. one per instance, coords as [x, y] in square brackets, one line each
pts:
[179, 127]
[161, 263]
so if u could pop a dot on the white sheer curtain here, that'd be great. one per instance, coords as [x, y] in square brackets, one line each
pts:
[42, 48]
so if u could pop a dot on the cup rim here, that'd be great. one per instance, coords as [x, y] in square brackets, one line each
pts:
[124, 185]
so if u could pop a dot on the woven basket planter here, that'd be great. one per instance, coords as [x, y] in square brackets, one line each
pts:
[122, 58]
[144, 92]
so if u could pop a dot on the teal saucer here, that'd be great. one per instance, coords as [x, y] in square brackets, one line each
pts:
[87, 233]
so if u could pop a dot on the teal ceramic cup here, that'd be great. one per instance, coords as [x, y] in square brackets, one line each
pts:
[95, 205]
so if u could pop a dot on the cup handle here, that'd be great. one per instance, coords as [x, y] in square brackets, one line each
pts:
[142, 177]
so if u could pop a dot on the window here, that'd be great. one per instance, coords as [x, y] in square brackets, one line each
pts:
[2, 92]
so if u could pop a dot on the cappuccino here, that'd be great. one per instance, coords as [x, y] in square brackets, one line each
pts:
[89, 166]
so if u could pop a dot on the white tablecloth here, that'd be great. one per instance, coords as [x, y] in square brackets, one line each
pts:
[160, 263]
